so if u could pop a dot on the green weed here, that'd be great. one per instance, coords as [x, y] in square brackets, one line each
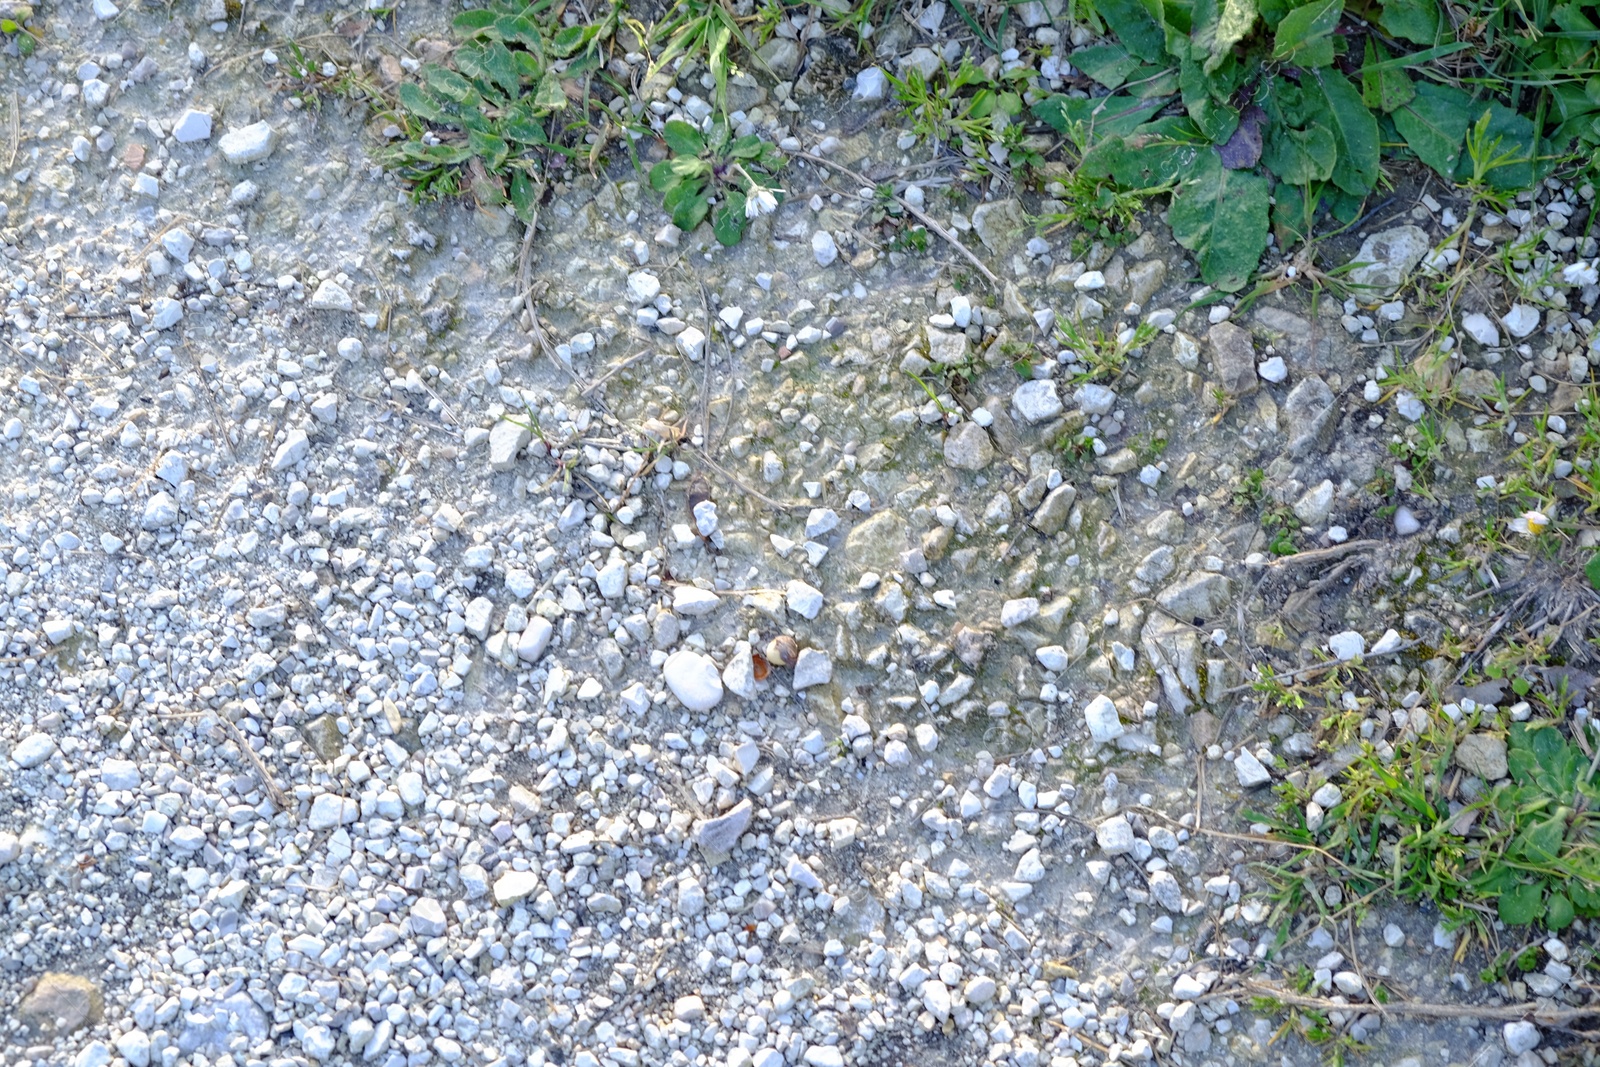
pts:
[736, 174]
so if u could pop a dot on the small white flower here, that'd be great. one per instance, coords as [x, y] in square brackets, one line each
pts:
[761, 202]
[1530, 523]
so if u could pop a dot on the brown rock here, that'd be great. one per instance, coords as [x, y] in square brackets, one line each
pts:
[62, 1003]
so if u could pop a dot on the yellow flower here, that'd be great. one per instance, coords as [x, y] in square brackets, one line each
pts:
[1531, 523]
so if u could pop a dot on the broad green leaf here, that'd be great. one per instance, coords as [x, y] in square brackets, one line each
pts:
[1354, 130]
[1540, 843]
[421, 103]
[1108, 64]
[1522, 905]
[521, 29]
[549, 95]
[1383, 88]
[1299, 157]
[1435, 125]
[663, 177]
[1215, 118]
[1416, 21]
[1132, 24]
[1304, 31]
[451, 86]
[1095, 120]
[1559, 912]
[691, 212]
[728, 222]
[683, 138]
[1156, 154]
[501, 68]
[567, 41]
[1221, 216]
[493, 150]
[1591, 571]
[524, 196]
[469, 23]
[1238, 16]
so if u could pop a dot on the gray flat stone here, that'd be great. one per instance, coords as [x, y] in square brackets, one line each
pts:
[721, 834]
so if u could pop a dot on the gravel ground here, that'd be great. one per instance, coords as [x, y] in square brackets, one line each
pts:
[380, 685]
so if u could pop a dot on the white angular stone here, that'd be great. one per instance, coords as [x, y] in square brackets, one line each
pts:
[428, 918]
[535, 639]
[294, 449]
[1114, 836]
[803, 599]
[1520, 1036]
[516, 885]
[165, 312]
[33, 750]
[721, 834]
[1521, 320]
[1101, 716]
[1481, 329]
[329, 810]
[331, 296]
[812, 667]
[192, 126]
[1037, 400]
[1347, 645]
[1249, 770]
[824, 248]
[692, 601]
[248, 144]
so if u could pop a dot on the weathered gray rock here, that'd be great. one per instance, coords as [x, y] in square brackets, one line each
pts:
[1173, 652]
[1234, 355]
[1053, 513]
[946, 347]
[968, 448]
[1386, 258]
[1483, 755]
[782, 56]
[876, 542]
[1199, 595]
[1309, 416]
[721, 834]
[61, 1003]
[1144, 280]
[506, 439]
[1000, 223]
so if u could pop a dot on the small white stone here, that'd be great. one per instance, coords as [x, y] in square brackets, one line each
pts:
[812, 667]
[192, 126]
[1406, 522]
[824, 248]
[159, 511]
[1481, 329]
[1347, 645]
[1104, 724]
[1389, 642]
[1249, 770]
[804, 600]
[535, 639]
[692, 601]
[927, 736]
[643, 287]
[105, 10]
[165, 313]
[1089, 281]
[871, 84]
[331, 296]
[693, 679]
[692, 342]
[1017, 612]
[516, 885]
[1521, 1036]
[33, 750]
[1114, 836]
[1037, 400]
[248, 144]
[428, 918]
[824, 1056]
[295, 447]
[1274, 370]
[1521, 320]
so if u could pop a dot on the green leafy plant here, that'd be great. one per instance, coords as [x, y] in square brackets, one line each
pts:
[968, 108]
[735, 176]
[1289, 107]
[487, 121]
[699, 29]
